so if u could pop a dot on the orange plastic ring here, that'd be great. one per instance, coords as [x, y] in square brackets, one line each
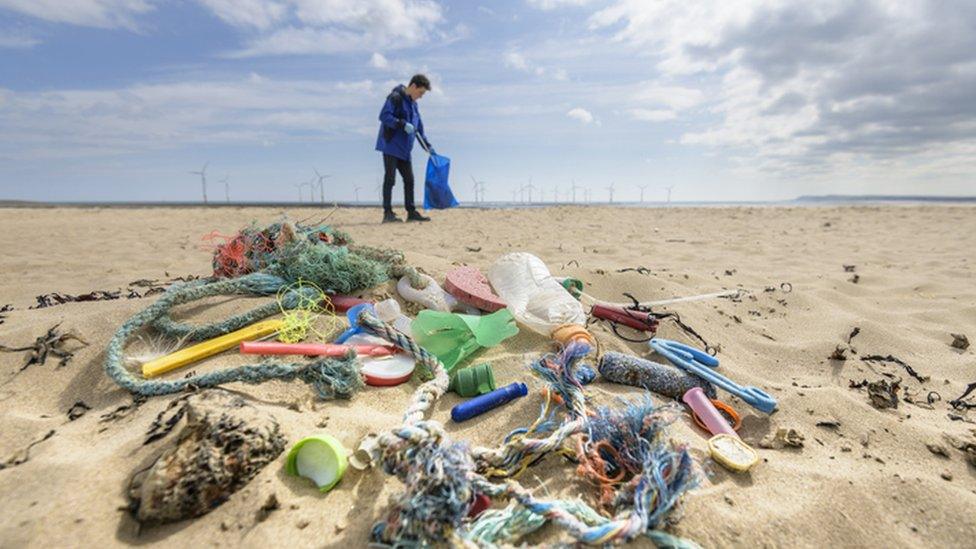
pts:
[726, 410]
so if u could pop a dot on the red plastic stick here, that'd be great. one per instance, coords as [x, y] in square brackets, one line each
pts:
[312, 349]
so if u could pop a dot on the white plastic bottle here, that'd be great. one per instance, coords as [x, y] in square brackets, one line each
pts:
[534, 297]
[389, 311]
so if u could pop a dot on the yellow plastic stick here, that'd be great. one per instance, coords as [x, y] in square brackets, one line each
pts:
[210, 347]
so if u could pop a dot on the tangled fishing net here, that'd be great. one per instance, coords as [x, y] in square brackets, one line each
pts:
[298, 264]
[638, 475]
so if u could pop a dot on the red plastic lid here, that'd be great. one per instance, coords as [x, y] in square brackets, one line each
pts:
[386, 381]
[388, 371]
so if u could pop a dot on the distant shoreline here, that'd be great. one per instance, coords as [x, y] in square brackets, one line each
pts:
[799, 201]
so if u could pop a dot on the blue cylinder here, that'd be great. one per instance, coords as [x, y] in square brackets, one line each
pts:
[481, 404]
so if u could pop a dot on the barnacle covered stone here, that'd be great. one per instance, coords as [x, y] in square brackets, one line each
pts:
[223, 445]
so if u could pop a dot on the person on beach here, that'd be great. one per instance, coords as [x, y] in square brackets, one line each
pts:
[400, 125]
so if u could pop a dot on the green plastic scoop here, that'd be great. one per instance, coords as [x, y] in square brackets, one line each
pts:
[454, 337]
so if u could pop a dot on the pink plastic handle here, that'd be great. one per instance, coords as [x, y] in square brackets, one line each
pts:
[706, 411]
[311, 349]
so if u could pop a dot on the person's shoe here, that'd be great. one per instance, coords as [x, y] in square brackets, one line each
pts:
[390, 217]
[415, 216]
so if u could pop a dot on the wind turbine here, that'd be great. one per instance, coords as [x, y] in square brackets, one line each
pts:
[610, 188]
[586, 195]
[226, 187]
[301, 196]
[203, 179]
[479, 189]
[642, 187]
[574, 187]
[669, 193]
[357, 194]
[514, 194]
[529, 188]
[321, 184]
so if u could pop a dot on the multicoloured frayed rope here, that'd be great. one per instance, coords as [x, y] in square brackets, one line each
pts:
[641, 475]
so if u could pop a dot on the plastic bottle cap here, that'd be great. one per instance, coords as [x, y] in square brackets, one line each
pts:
[474, 380]
[320, 458]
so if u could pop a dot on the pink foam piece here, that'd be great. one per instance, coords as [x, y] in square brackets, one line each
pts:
[468, 285]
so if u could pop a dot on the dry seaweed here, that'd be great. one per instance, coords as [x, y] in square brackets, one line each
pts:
[881, 393]
[959, 341]
[838, 353]
[23, 455]
[5, 309]
[124, 410]
[960, 402]
[911, 371]
[56, 298]
[77, 410]
[53, 343]
[166, 420]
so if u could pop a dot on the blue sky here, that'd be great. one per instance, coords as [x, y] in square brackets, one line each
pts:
[120, 99]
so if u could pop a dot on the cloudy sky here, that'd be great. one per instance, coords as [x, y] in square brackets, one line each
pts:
[723, 100]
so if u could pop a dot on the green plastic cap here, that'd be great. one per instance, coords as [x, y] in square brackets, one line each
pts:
[320, 458]
[475, 380]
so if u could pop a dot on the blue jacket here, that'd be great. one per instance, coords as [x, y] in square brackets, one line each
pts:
[397, 111]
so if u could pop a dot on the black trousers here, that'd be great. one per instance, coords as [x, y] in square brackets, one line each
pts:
[391, 165]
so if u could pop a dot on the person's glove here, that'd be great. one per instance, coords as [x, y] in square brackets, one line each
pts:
[408, 127]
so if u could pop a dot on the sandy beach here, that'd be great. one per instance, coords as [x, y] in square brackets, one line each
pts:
[863, 477]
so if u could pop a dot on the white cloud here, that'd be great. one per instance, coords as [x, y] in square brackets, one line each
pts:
[140, 118]
[804, 86]
[653, 115]
[516, 60]
[379, 61]
[553, 4]
[256, 14]
[675, 97]
[361, 87]
[16, 40]
[88, 13]
[281, 27]
[581, 114]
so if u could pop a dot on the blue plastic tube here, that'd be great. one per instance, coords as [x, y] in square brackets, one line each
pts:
[481, 404]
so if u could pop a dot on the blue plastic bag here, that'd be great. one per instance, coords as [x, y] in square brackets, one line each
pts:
[437, 193]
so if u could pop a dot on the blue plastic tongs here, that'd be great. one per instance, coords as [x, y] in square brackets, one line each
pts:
[702, 365]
